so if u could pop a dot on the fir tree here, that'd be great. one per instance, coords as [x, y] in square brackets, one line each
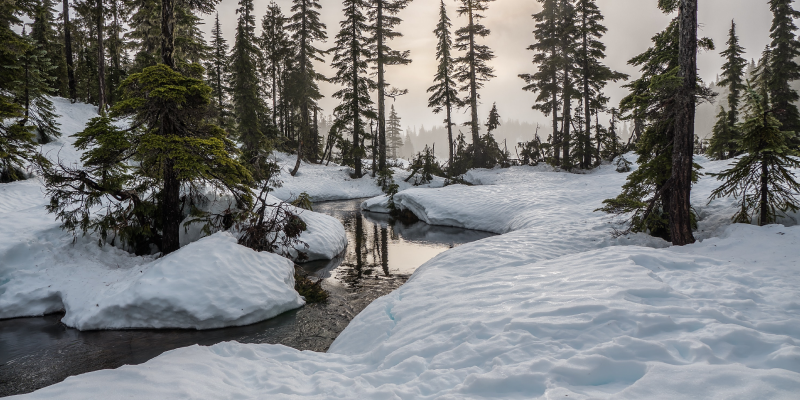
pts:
[306, 29]
[276, 47]
[34, 86]
[68, 52]
[383, 16]
[784, 50]
[217, 73]
[473, 69]
[394, 138]
[547, 58]
[124, 169]
[733, 75]
[594, 74]
[761, 179]
[722, 139]
[494, 119]
[444, 92]
[247, 104]
[43, 32]
[350, 58]
[568, 47]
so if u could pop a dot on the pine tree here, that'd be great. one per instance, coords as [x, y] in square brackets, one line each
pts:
[761, 179]
[784, 50]
[383, 17]
[350, 58]
[17, 141]
[134, 195]
[494, 119]
[722, 138]
[43, 32]
[247, 104]
[72, 89]
[116, 49]
[100, 28]
[276, 47]
[733, 75]
[306, 29]
[646, 196]
[34, 88]
[473, 69]
[595, 75]
[547, 58]
[394, 138]
[218, 74]
[444, 92]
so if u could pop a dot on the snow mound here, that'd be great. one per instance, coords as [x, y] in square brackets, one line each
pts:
[714, 320]
[211, 283]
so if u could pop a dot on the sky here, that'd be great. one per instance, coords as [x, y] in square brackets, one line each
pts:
[630, 23]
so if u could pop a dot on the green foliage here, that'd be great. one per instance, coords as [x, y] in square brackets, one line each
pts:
[783, 52]
[761, 179]
[123, 169]
[723, 142]
[424, 167]
[303, 201]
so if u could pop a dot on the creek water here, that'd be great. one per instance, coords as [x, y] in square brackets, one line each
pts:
[380, 256]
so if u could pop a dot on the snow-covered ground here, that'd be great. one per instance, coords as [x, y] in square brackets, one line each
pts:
[209, 283]
[552, 308]
[333, 182]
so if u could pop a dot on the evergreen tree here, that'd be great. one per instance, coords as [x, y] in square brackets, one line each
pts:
[784, 50]
[547, 57]
[568, 47]
[350, 58]
[646, 196]
[34, 86]
[473, 69]
[116, 49]
[383, 16]
[217, 73]
[306, 29]
[247, 104]
[43, 32]
[722, 138]
[17, 141]
[394, 138]
[494, 119]
[761, 179]
[594, 74]
[124, 169]
[72, 89]
[276, 47]
[444, 92]
[733, 75]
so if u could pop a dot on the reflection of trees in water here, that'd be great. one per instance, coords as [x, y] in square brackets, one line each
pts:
[370, 250]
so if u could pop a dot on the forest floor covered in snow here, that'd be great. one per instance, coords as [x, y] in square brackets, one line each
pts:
[44, 269]
[554, 307]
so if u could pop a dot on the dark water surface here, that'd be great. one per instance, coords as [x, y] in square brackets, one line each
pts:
[381, 255]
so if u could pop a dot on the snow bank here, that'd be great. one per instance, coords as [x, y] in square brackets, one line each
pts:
[333, 182]
[211, 283]
[492, 319]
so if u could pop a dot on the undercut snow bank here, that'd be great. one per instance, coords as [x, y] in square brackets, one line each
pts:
[211, 283]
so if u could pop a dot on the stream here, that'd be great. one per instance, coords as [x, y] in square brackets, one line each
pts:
[381, 255]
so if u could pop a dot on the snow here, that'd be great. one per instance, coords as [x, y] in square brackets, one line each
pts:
[552, 308]
[332, 182]
[209, 283]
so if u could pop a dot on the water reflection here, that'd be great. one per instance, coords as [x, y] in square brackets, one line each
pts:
[379, 246]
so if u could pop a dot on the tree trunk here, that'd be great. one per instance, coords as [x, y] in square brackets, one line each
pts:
[355, 105]
[556, 136]
[381, 88]
[73, 94]
[764, 219]
[683, 141]
[167, 33]
[303, 134]
[449, 131]
[171, 210]
[567, 121]
[101, 64]
[473, 95]
[587, 156]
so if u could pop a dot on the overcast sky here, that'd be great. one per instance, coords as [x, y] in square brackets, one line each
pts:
[631, 24]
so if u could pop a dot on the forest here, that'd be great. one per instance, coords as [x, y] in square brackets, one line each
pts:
[166, 184]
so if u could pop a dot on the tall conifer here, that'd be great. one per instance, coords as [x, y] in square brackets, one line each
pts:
[784, 50]
[444, 92]
[217, 73]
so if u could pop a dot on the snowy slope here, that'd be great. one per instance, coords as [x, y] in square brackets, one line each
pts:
[715, 320]
[325, 183]
[554, 308]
